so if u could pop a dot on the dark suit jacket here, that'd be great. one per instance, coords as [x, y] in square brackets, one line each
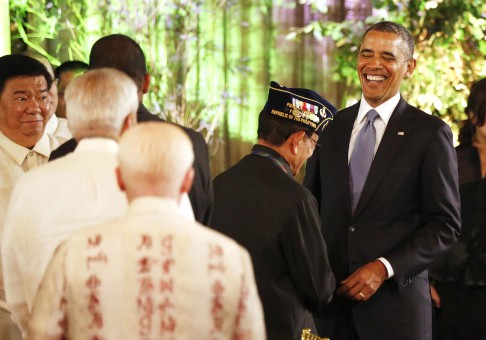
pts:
[408, 213]
[273, 216]
[201, 194]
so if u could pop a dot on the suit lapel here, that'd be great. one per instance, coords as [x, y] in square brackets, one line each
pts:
[397, 131]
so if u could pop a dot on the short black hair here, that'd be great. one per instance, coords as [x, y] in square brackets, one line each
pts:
[393, 27]
[18, 65]
[121, 52]
[72, 65]
[276, 131]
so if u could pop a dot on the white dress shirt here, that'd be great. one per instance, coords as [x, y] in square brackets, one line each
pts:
[15, 160]
[151, 274]
[58, 127]
[385, 111]
[50, 204]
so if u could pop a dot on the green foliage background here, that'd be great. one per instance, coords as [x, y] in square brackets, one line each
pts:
[182, 38]
[450, 37]
[168, 32]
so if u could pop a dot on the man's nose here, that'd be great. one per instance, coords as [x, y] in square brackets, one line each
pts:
[376, 62]
[34, 106]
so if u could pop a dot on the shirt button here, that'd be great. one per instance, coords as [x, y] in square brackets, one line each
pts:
[31, 153]
[352, 228]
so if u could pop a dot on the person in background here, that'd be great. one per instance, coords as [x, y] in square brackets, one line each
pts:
[386, 184]
[173, 278]
[24, 145]
[459, 289]
[52, 202]
[123, 53]
[64, 74]
[258, 203]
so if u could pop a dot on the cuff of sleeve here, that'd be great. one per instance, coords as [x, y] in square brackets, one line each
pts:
[387, 265]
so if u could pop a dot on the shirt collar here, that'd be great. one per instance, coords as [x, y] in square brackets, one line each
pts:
[43, 146]
[97, 144]
[19, 152]
[52, 124]
[151, 204]
[385, 110]
[262, 150]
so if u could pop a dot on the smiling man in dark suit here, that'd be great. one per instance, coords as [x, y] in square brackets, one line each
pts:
[123, 53]
[386, 184]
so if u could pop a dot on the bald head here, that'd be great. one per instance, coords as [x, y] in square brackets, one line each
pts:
[155, 159]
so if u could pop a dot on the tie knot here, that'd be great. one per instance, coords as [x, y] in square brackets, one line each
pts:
[371, 115]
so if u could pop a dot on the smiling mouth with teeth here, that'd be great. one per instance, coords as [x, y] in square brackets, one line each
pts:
[374, 78]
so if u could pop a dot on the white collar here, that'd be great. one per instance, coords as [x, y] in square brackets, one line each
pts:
[98, 144]
[385, 110]
[164, 205]
[18, 152]
[52, 124]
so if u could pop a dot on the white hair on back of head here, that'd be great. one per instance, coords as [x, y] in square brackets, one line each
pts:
[98, 102]
[154, 153]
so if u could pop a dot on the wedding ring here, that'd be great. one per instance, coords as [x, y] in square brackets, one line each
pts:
[362, 295]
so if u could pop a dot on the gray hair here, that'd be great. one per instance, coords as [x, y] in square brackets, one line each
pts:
[98, 102]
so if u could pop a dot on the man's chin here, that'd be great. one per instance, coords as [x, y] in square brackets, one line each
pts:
[33, 131]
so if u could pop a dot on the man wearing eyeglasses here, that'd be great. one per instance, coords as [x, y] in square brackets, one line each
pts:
[260, 205]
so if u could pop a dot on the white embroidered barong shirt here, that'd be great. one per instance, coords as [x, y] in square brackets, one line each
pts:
[152, 274]
[15, 160]
[50, 204]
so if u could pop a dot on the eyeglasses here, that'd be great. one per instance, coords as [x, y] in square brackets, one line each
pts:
[315, 142]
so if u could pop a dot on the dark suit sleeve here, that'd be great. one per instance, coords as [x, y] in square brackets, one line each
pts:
[63, 149]
[305, 252]
[312, 179]
[440, 210]
[201, 193]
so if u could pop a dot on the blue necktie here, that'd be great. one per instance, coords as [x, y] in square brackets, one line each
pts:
[361, 158]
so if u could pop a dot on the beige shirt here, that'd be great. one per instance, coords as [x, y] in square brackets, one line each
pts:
[68, 194]
[152, 274]
[15, 160]
[64, 196]
[58, 127]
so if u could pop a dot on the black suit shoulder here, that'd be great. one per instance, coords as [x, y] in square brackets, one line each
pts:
[273, 181]
[403, 109]
[63, 149]
[201, 193]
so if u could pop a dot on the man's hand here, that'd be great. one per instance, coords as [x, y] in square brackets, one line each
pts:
[364, 282]
[435, 296]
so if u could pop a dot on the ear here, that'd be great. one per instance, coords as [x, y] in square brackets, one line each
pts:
[411, 64]
[146, 83]
[130, 120]
[295, 139]
[187, 181]
[119, 179]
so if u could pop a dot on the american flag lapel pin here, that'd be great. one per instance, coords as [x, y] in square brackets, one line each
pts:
[401, 133]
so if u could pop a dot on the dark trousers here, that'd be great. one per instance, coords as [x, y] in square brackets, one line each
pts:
[336, 320]
[462, 315]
